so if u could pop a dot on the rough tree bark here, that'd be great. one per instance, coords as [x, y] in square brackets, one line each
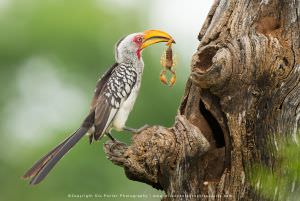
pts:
[243, 92]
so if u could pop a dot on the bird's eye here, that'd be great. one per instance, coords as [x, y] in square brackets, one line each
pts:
[139, 39]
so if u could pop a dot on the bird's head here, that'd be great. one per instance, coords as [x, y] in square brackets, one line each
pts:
[130, 47]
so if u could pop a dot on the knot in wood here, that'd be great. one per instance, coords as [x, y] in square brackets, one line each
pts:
[211, 66]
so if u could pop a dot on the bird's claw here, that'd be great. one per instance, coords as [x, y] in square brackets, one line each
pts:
[115, 151]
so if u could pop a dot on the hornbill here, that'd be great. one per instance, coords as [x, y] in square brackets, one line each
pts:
[114, 97]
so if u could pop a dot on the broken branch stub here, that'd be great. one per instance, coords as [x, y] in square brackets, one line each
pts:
[158, 151]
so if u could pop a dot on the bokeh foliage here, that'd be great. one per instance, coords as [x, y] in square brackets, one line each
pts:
[282, 182]
[79, 36]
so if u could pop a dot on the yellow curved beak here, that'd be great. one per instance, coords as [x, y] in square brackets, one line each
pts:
[156, 36]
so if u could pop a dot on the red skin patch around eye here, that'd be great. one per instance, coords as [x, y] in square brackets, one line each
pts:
[138, 40]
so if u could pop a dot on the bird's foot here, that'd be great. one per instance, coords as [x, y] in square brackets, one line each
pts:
[115, 151]
[136, 130]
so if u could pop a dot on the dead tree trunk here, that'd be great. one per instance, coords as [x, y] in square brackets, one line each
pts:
[243, 93]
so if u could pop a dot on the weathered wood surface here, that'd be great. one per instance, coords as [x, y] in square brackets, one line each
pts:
[243, 93]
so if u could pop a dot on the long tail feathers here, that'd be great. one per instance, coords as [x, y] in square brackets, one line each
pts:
[42, 167]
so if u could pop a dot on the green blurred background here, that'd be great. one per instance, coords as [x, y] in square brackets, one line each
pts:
[52, 52]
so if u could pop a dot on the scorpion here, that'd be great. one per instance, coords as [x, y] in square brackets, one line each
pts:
[168, 62]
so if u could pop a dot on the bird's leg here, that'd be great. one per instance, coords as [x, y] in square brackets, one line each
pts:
[162, 77]
[136, 130]
[110, 136]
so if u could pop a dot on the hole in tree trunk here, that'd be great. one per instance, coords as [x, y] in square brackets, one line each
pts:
[215, 158]
[218, 134]
[205, 58]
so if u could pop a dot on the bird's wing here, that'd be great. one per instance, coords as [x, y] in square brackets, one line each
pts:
[100, 85]
[113, 93]
[113, 88]
[43, 166]
[110, 91]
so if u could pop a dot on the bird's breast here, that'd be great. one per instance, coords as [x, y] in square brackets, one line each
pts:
[126, 107]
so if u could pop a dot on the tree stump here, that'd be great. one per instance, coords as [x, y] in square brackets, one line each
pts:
[241, 97]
